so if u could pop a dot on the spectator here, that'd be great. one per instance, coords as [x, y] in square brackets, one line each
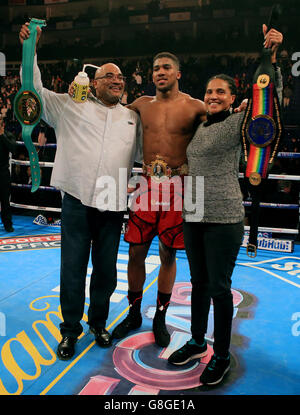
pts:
[7, 145]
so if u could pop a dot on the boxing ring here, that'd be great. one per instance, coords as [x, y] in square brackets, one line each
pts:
[285, 155]
[265, 335]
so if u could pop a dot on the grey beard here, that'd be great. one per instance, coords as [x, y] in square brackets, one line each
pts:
[113, 100]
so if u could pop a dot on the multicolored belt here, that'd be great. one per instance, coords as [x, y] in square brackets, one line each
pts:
[159, 168]
[261, 131]
[27, 104]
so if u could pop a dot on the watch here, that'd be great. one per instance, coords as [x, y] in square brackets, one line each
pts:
[28, 106]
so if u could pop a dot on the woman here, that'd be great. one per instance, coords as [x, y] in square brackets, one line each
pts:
[213, 240]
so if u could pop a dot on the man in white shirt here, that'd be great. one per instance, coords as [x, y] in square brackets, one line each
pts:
[97, 142]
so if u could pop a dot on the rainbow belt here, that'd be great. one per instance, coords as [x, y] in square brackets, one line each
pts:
[259, 157]
[261, 131]
[261, 128]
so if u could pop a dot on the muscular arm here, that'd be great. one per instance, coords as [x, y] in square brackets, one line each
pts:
[137, 103]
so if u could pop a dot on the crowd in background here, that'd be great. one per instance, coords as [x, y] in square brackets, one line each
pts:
[195, 72]
[237, 31]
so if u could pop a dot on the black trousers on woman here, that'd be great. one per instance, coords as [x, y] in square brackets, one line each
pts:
[86, 230]
[212, 250]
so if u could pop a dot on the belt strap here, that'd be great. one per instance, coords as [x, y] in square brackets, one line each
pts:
[261, 131]
[27, 104]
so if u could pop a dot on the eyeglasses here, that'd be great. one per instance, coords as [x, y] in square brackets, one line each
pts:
[112, 76]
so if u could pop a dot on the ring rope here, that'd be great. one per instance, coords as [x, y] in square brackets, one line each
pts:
[274, 205]
[275, 230]
[139, 170]
[37, 144]
[282, 154]
[47, 188]
[246, 203]
[27, 163]
[50, 209]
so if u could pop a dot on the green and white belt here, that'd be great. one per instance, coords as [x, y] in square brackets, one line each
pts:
[27, 104]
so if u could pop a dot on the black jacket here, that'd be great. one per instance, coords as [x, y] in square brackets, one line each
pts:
[7, 145]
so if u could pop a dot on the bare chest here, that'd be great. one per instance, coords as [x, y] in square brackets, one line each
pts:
[167, 119]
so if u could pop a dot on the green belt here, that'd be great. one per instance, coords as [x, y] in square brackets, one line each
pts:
[27, 104]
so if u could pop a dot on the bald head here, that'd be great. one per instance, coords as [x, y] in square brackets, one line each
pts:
[109, 84]
[107, 68]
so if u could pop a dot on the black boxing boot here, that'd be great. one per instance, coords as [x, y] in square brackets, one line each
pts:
[134, 318]
[161, 334]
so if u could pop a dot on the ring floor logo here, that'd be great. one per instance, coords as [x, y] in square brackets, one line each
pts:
[24, 243]
[140, 367]
[286, 268]
[264, 322]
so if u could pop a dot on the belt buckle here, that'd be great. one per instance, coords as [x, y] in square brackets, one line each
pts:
[159, 169]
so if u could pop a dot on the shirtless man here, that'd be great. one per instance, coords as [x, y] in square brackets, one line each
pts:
[169, 121]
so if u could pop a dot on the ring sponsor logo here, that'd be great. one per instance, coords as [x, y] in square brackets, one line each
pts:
[30, 242]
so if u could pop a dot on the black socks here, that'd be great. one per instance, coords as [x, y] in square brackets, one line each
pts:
[135, 300]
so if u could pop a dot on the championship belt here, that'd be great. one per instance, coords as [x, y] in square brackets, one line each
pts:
[27, 104]
[160, 171]
[261, 131]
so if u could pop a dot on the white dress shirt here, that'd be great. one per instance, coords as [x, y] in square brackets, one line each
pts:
[96, 147]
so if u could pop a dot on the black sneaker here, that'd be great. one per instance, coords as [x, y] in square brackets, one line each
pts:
[191, 350]
[215, 370]
[129, 323]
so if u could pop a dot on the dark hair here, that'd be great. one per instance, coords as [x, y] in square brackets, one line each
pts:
[226, 78]
[168, 55]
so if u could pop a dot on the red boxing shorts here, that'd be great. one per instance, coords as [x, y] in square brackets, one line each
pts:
[156, 209]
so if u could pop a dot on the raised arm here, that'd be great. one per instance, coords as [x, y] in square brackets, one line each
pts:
[273, 39]
[53, 103]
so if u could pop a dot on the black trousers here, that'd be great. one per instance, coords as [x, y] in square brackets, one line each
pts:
[86, 230]
[6, 216]
[212, 250]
